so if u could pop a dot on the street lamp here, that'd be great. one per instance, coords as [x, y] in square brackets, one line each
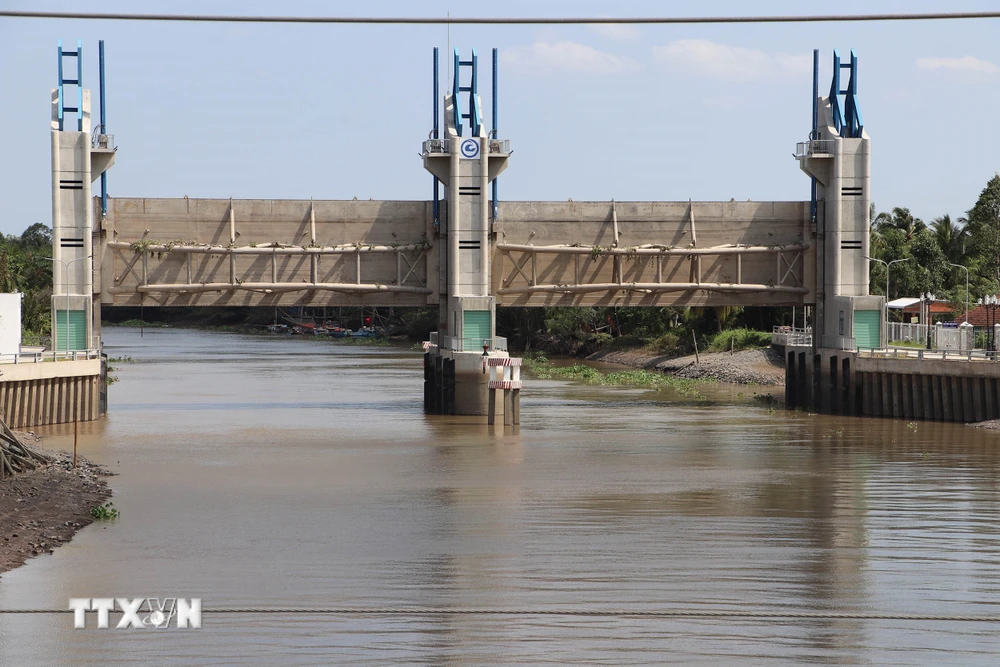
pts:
[927, 299]
[991, 303]
[887, 265]
[66, 266]
[959, 266]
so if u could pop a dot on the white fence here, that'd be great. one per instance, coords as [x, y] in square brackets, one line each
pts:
[791, 336]
[960, 338]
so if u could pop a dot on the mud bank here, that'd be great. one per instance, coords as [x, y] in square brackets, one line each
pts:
[42, 509]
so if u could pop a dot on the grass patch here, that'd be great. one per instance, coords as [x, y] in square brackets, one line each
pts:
[138, 323]
[542, 368]
[121, 360]
[106, 512]
[907, 343]
[740, 339]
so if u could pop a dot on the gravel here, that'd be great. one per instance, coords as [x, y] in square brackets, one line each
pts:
[761, 366]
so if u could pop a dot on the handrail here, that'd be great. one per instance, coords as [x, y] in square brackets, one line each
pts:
[40, 357]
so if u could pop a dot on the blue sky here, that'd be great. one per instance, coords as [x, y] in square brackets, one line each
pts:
[703, 112]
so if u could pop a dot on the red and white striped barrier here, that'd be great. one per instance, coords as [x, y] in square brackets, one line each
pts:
[505, 372]
[504, 361]
[504, 384]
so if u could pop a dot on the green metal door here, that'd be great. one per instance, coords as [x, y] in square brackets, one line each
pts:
[867, 328]
[475, 329]
[77, 330]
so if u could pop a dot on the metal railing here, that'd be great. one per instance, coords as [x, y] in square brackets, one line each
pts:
[814, 147]
[792, 336]
[39, 357]
[959, 338]
[907, 332]
[936, 355]
[500, 146]
[443, 146]
[498, 343]
[439, 146]
[104, 141]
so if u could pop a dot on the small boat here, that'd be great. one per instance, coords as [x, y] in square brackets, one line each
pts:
[368, 332]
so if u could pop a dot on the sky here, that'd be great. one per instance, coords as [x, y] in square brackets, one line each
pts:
[666, 113]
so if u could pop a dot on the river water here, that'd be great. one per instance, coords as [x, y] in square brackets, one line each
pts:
[272, 471]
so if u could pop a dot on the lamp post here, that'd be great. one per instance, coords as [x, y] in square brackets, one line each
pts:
[991, 303]
[959, 266]
[66, 266]
[887, 265]
[927, 299]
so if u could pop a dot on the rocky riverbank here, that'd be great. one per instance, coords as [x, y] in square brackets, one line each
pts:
[761, 366]
[43, 508]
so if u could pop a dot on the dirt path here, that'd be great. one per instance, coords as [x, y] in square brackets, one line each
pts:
[761, 366]
[41, 509]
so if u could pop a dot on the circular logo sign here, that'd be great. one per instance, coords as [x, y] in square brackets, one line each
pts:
[470, 148]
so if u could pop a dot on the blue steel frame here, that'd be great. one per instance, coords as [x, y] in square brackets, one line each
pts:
[104, 126]
[475, 116]
[78, 81]
[850, 126]
[494, 131]
[435, 134]
[815, 129]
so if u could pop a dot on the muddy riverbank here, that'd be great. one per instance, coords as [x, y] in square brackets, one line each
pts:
[759, 366]
[42, 509]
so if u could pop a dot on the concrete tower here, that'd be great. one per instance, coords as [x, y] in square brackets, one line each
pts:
[78, 158]
[466, 159]
[838, 157]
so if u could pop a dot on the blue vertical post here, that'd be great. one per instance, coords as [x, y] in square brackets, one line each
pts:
[455, 105]
[436, 93]
[104, 126]
[437, 199]
[473, 107]
[59, 84]
[815, 127]
[79, 85]
[494, 122]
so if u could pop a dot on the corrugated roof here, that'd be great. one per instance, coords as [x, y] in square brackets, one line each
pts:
[902, 302]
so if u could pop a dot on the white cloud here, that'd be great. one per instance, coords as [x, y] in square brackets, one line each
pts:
[963, 64]
[730, 63]
[622, 31]
[565, 56]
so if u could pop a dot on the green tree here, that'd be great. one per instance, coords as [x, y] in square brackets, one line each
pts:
[900, 219]
[984, 230]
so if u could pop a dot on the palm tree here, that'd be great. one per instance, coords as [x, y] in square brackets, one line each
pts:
[953, 238]
[901, 218]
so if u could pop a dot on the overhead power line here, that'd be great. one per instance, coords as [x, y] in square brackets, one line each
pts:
[786, 615]
[659, 20]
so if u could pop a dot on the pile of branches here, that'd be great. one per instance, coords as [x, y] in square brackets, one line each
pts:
[14, 456]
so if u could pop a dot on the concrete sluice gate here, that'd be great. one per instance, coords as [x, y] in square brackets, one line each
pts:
[919, 389]
[466, 252]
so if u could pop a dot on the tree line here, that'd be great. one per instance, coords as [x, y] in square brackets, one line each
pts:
[25, 267]
[930, 250]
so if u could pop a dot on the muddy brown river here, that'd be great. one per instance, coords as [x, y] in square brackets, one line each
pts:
[275, 471]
